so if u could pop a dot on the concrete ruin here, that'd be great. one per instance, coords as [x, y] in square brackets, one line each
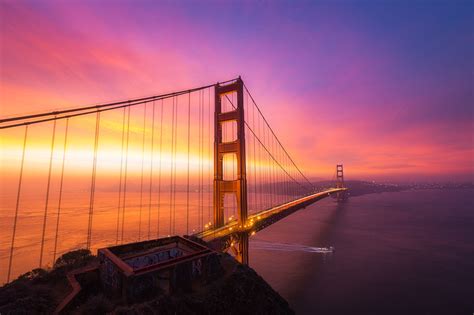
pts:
[170, 265]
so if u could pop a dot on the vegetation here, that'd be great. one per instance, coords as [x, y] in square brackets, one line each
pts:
[239, 291]
[39, 291]
[242, 291]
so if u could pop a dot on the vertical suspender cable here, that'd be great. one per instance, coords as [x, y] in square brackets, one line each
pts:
[270, 170]
[171, 166]
[48, 185]
[151, 168]
[290, 188]
[175, 163]
[199, 165]
[248, 158]
[264, 173]
[286, 180]
[202, 160]
[17, 205]
[265, 170]
[225, 161]
[260, 168]
[281, 183]
[234, 161]
[274, 178]
[278, 169]
[254, 160]
[120, 181]
[60, 191]
[141, 180]
[189, 143]
[209, 179]
[275, 170]
[277, 175]
[274, 173]
[159, 171]
[125, 175]
[94, 172]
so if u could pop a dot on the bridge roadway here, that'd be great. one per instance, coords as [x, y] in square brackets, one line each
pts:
[220, 238]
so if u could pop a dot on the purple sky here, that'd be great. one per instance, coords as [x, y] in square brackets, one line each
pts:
[386, 87]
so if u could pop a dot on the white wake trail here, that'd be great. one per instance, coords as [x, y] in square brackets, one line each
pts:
[264, 245]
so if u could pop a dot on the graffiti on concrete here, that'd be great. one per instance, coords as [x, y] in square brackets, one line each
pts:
[154, 258]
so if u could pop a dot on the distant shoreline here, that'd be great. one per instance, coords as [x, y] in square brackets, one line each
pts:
[359, 188]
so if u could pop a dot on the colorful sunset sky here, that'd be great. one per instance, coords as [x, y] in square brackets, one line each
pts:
[385, 87]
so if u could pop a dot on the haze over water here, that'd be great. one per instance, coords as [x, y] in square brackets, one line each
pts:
[408, 252]
[153, 222]
[396, 252]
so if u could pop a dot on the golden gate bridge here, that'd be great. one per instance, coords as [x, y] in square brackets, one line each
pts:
[202, 162]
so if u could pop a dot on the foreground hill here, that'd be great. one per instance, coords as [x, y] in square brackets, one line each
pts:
[239, 290]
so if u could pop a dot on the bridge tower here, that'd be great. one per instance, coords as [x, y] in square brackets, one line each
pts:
[236, 186]
[341, 196]
[339, 176]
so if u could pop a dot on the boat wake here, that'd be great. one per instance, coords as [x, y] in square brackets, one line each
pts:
[264, 245]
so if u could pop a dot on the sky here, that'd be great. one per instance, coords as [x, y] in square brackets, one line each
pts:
[385, 87]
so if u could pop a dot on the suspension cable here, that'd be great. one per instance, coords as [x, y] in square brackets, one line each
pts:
[264, 146]
[209, 156]
[94, 172]
[60, 191]
[48, 185]
[141, 180]
[189, 144]
[17, 205]
[95, 108]
[120, 180]
[199, 164]
[253, 100]
[159, 171]
[175, 144]
[203, 151]
[151, 168]
[254, 160]
[171, 167]
[175, 164]
[125, 175]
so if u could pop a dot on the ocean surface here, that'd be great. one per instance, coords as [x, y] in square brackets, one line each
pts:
[408, 252]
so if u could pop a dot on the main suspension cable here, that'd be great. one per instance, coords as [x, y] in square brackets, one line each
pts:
[95, 108]
[253, 100]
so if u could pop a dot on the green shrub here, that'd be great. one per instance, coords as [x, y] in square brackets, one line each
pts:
[74, 259]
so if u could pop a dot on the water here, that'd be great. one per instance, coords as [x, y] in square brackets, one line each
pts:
[401, 253]
[396, 253]
[141, 220]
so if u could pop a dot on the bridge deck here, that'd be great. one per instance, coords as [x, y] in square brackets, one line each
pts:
[258, 221]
